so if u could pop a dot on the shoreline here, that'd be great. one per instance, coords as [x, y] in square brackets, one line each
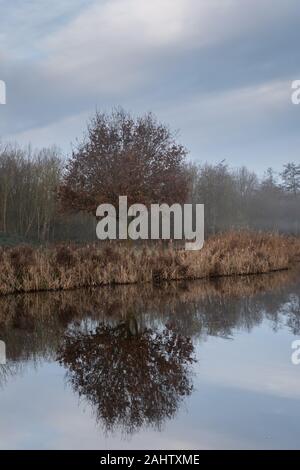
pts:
[151, 283]
[25, 269]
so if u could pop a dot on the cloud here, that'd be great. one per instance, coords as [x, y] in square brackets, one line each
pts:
[54, 133]
[24, 24]
[115, 45]
[203, 65]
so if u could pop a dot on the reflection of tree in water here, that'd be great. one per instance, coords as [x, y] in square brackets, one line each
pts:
[132, 380]
[32, 325]
[292, 307]
[9, 370]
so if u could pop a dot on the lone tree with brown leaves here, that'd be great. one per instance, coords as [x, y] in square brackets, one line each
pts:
[122, 155]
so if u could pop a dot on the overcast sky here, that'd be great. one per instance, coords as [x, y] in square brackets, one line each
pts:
[220, 71]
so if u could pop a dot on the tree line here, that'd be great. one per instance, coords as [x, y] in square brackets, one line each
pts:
[239, 198]
[29, 207]
[45, 198]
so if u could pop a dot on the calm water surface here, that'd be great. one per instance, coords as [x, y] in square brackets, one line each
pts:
[194, 365]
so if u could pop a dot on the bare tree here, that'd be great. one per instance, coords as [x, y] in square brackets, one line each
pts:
[291, 178]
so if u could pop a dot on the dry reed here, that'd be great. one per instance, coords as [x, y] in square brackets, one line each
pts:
[26, 269]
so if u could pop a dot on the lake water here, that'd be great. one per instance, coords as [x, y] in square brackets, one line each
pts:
[198, 365]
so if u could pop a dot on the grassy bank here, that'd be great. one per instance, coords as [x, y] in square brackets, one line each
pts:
[25, 269]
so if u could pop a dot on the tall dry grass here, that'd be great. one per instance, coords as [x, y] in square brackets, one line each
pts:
[25, 269]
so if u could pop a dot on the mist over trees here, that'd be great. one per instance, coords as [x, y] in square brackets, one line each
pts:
[44, 198]
[238, 198]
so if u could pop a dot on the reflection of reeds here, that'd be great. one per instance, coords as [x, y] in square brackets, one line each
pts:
[24, 269]
[24, 311]
[32, 324]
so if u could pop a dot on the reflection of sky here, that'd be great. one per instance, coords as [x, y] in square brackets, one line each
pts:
[247, 395]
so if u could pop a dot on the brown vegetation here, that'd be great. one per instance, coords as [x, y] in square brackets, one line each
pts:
[122, 155]
[117, 302]
[25, 269]
[34, 324]
[30, 210]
